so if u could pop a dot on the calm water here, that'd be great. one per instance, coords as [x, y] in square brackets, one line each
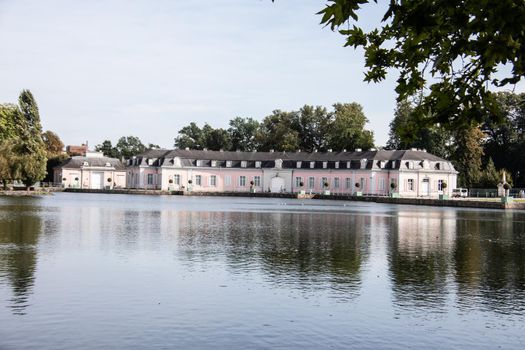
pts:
[85, 271]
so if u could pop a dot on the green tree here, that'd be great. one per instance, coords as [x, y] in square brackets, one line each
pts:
[9, 117]
[129, 146]
[9, 166]
[189, 137]
[468, 156]
[347, 129]
[312, 124]
[490, 176]
[216, 139]
[276, 132]
[242, 133]
[107, 149]
[54, 146]
[30, 149]
[455, 49]
[408, 131]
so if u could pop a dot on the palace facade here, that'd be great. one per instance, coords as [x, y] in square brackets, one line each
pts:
[415, 173]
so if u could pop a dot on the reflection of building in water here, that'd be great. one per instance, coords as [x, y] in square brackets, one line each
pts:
[421, 251]
[425, 231]
[20, 229]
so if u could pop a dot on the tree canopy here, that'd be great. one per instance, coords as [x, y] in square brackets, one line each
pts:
[455, 49]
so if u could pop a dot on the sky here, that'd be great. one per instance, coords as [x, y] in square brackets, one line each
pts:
[102, 69]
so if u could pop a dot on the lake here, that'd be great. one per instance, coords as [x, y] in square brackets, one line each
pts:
[95, 271]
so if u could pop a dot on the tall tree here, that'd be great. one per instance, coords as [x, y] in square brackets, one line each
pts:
[129, 146]
[9, 121]
[276, 132]
[468, 156]
[408, 131]
[31, 149]
[189, 137]
[9, 166]
[242, 133]
[53, 143]
[312, 124]
[216, 139]
[456, 49]
[347, 130]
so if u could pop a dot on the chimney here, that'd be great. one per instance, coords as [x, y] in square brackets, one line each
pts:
[221, 150]
[315, 151]
[358, 149]
[271, 151]
[330, 150]
[205, 149]
[237, 150]
[344, 150]
[187, 148]
[372, 149]
[298, 151]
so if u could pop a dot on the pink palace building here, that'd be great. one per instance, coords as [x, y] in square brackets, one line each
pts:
[416, 173]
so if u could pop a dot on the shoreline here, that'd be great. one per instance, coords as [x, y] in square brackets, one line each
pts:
[457, 203]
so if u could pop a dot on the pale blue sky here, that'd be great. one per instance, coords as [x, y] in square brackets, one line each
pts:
[102, 69]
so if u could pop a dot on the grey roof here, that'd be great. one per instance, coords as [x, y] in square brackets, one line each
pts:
[78, 162]
[376, 159]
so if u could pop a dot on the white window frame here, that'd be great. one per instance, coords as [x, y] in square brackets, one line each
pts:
[298, 180]
[325, 165]
[213, 163]
[312, 165]
[323, 180]
[257, 164]
[311, 182]
[198, 180]
[212, 180]
[242, 181]
[150, 179]
[228, 164]
[410, 184]
[336, 182]
[244, 164]
[257, 181]
[348, 183]
[298, 164]
[227, 180]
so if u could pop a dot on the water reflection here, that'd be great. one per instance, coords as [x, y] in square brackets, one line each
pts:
[420, 253]
[475, 257]
[20, 227]
[300, 251]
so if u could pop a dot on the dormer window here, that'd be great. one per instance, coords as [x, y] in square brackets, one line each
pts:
[299, 164]
[409, 165]
[348, 165]
[312, 165]
[107, 164]
[325, 165]
[150, 161]
[213, 163]
[228, 164]
[257, 164]
[199, 162]
[437, 166]
[85, 164]
[244, 164]
[337, 165]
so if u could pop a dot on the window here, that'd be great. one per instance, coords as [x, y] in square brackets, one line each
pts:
[312, 165]
[213, 163]
[410, 184]
[176, 179]
[257, 181]
[199, 163]
[213, 180]
[325, 165]
[298, 165]
[242, 181]
[198, 180]
[437, 167]
[348, 165]
[440, 185]
[257, 164]
[228, 164]
[322, 182]
[381, 184]
[336, 182]
[150, 179]
[337, 165]
[298, 181]
[348, 183]
[244, 164]
[311, 182]
[227, 180]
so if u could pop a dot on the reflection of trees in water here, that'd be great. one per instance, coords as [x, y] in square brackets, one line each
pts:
[297, 250]
[479, 255]
[490, 260]
[19, 232]
[420, 254]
